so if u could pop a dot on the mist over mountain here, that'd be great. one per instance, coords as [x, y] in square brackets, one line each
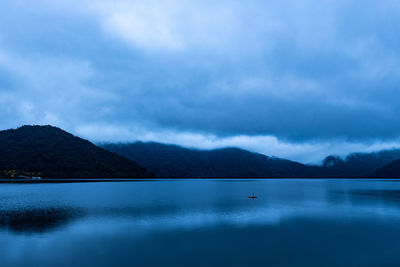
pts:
[50, 152]
[53, 153]
[358, 164]
[171, 161]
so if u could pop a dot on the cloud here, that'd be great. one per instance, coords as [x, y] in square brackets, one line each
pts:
[48, 90]
[308, 152]
[175, 25]
[304, 74]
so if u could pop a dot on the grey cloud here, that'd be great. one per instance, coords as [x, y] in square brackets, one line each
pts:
[301, 71]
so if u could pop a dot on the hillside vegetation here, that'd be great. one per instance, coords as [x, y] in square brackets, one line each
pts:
[53, 153]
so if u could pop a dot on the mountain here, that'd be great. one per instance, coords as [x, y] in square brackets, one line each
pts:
[171, 161]
[357, 164]
[53, 153]
[177, 162]
[391, 170]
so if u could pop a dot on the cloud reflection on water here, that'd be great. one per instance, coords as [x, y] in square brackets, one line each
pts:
[318, 223]
[354, 204]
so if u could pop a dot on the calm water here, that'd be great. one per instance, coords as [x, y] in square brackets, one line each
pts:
[201, 223]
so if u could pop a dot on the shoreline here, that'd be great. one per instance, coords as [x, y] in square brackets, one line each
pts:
[108, 180]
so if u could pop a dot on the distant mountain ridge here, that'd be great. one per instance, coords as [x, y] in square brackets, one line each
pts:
[391, 170]
[53, 153]
[171, 161]
[358, 164]
[50, 152]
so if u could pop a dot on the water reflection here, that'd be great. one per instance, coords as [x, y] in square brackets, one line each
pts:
[37, 220]
[382, 194]
[201, 223]
[204, 206]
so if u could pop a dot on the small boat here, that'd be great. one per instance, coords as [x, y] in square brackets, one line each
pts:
[252, 196]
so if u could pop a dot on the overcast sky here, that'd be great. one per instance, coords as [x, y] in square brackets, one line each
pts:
[299, 79]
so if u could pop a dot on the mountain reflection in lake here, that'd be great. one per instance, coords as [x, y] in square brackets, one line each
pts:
[35, 219]
[201, 223]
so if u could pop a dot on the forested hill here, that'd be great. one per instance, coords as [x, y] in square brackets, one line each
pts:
[53, 153]
[392, 170]
[50, 152]
[170, 161]
[177, 162]
[358, 164]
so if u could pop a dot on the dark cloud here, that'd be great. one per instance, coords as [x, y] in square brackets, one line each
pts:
[301, 71]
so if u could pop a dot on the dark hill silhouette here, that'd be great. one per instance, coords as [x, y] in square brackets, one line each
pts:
[392, 170]
[171, 161]
[53, 153]
[357, 164]
[177, 162]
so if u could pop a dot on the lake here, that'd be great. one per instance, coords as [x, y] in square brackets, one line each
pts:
[201, 223]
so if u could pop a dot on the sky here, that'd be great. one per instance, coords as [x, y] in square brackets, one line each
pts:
[299, 79]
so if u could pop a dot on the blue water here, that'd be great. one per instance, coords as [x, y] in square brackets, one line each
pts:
[201, 223]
